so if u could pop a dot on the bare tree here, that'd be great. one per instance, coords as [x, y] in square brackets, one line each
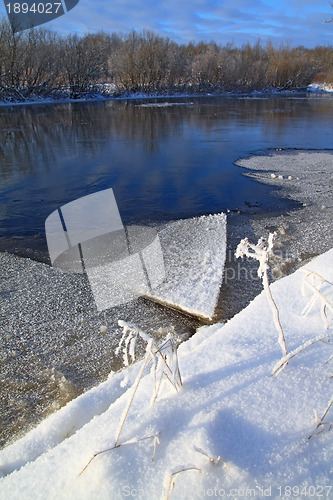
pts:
[330, 20]
[38, 61]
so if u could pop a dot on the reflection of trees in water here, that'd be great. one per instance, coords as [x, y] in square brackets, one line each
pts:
[33, 136]
[273, 113]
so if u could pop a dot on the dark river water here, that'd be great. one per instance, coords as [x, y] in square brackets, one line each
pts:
[165, 159]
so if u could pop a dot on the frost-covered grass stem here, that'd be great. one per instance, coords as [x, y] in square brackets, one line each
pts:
[262, 252]
[135, 387]
[163, 358]
[282, 363]
[276, 314]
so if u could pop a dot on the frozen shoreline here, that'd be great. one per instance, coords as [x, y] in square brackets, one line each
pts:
[230, 407]
[313, 89]
[302, 233]
[304, 176]
[52, 345]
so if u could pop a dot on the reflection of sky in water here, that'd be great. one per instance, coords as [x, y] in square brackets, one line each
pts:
[169, 162]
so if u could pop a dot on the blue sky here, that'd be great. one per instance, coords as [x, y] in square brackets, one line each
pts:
[298, 22]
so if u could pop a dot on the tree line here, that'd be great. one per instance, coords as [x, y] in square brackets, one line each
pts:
[39, 62]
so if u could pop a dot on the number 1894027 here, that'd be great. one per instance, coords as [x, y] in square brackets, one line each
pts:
[305, 491]
[34, 8]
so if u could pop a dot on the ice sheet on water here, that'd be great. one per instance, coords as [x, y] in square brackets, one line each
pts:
[163, 104]
[194, 253]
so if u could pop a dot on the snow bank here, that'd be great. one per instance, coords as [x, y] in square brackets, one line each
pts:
[229, 406]
[320, 87]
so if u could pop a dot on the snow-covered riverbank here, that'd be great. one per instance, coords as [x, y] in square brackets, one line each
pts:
[305, 176]
[229, 407]
[109, 91]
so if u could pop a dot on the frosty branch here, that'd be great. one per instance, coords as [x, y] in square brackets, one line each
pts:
[262, 251]
[282, 363]
[163, 358]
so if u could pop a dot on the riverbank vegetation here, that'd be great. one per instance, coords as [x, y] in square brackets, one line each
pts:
[40, 63]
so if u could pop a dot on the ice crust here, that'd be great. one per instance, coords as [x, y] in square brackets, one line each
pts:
[304, 176]
[194, 253]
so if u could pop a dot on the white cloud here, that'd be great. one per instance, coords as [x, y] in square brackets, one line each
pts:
[298, 21]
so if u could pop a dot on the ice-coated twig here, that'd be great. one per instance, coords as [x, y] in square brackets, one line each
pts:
[128, 340]
[163, 358]
[262, 251]
[315, 283]
[282, 363]
[167, 366]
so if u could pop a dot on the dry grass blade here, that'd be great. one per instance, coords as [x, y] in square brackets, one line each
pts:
[156, 442]
[169, 360]
[212, 460]
[166, 355]
[175, 373]
[173, 477]
[132, 441]
[315, 286]
[321, 424]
